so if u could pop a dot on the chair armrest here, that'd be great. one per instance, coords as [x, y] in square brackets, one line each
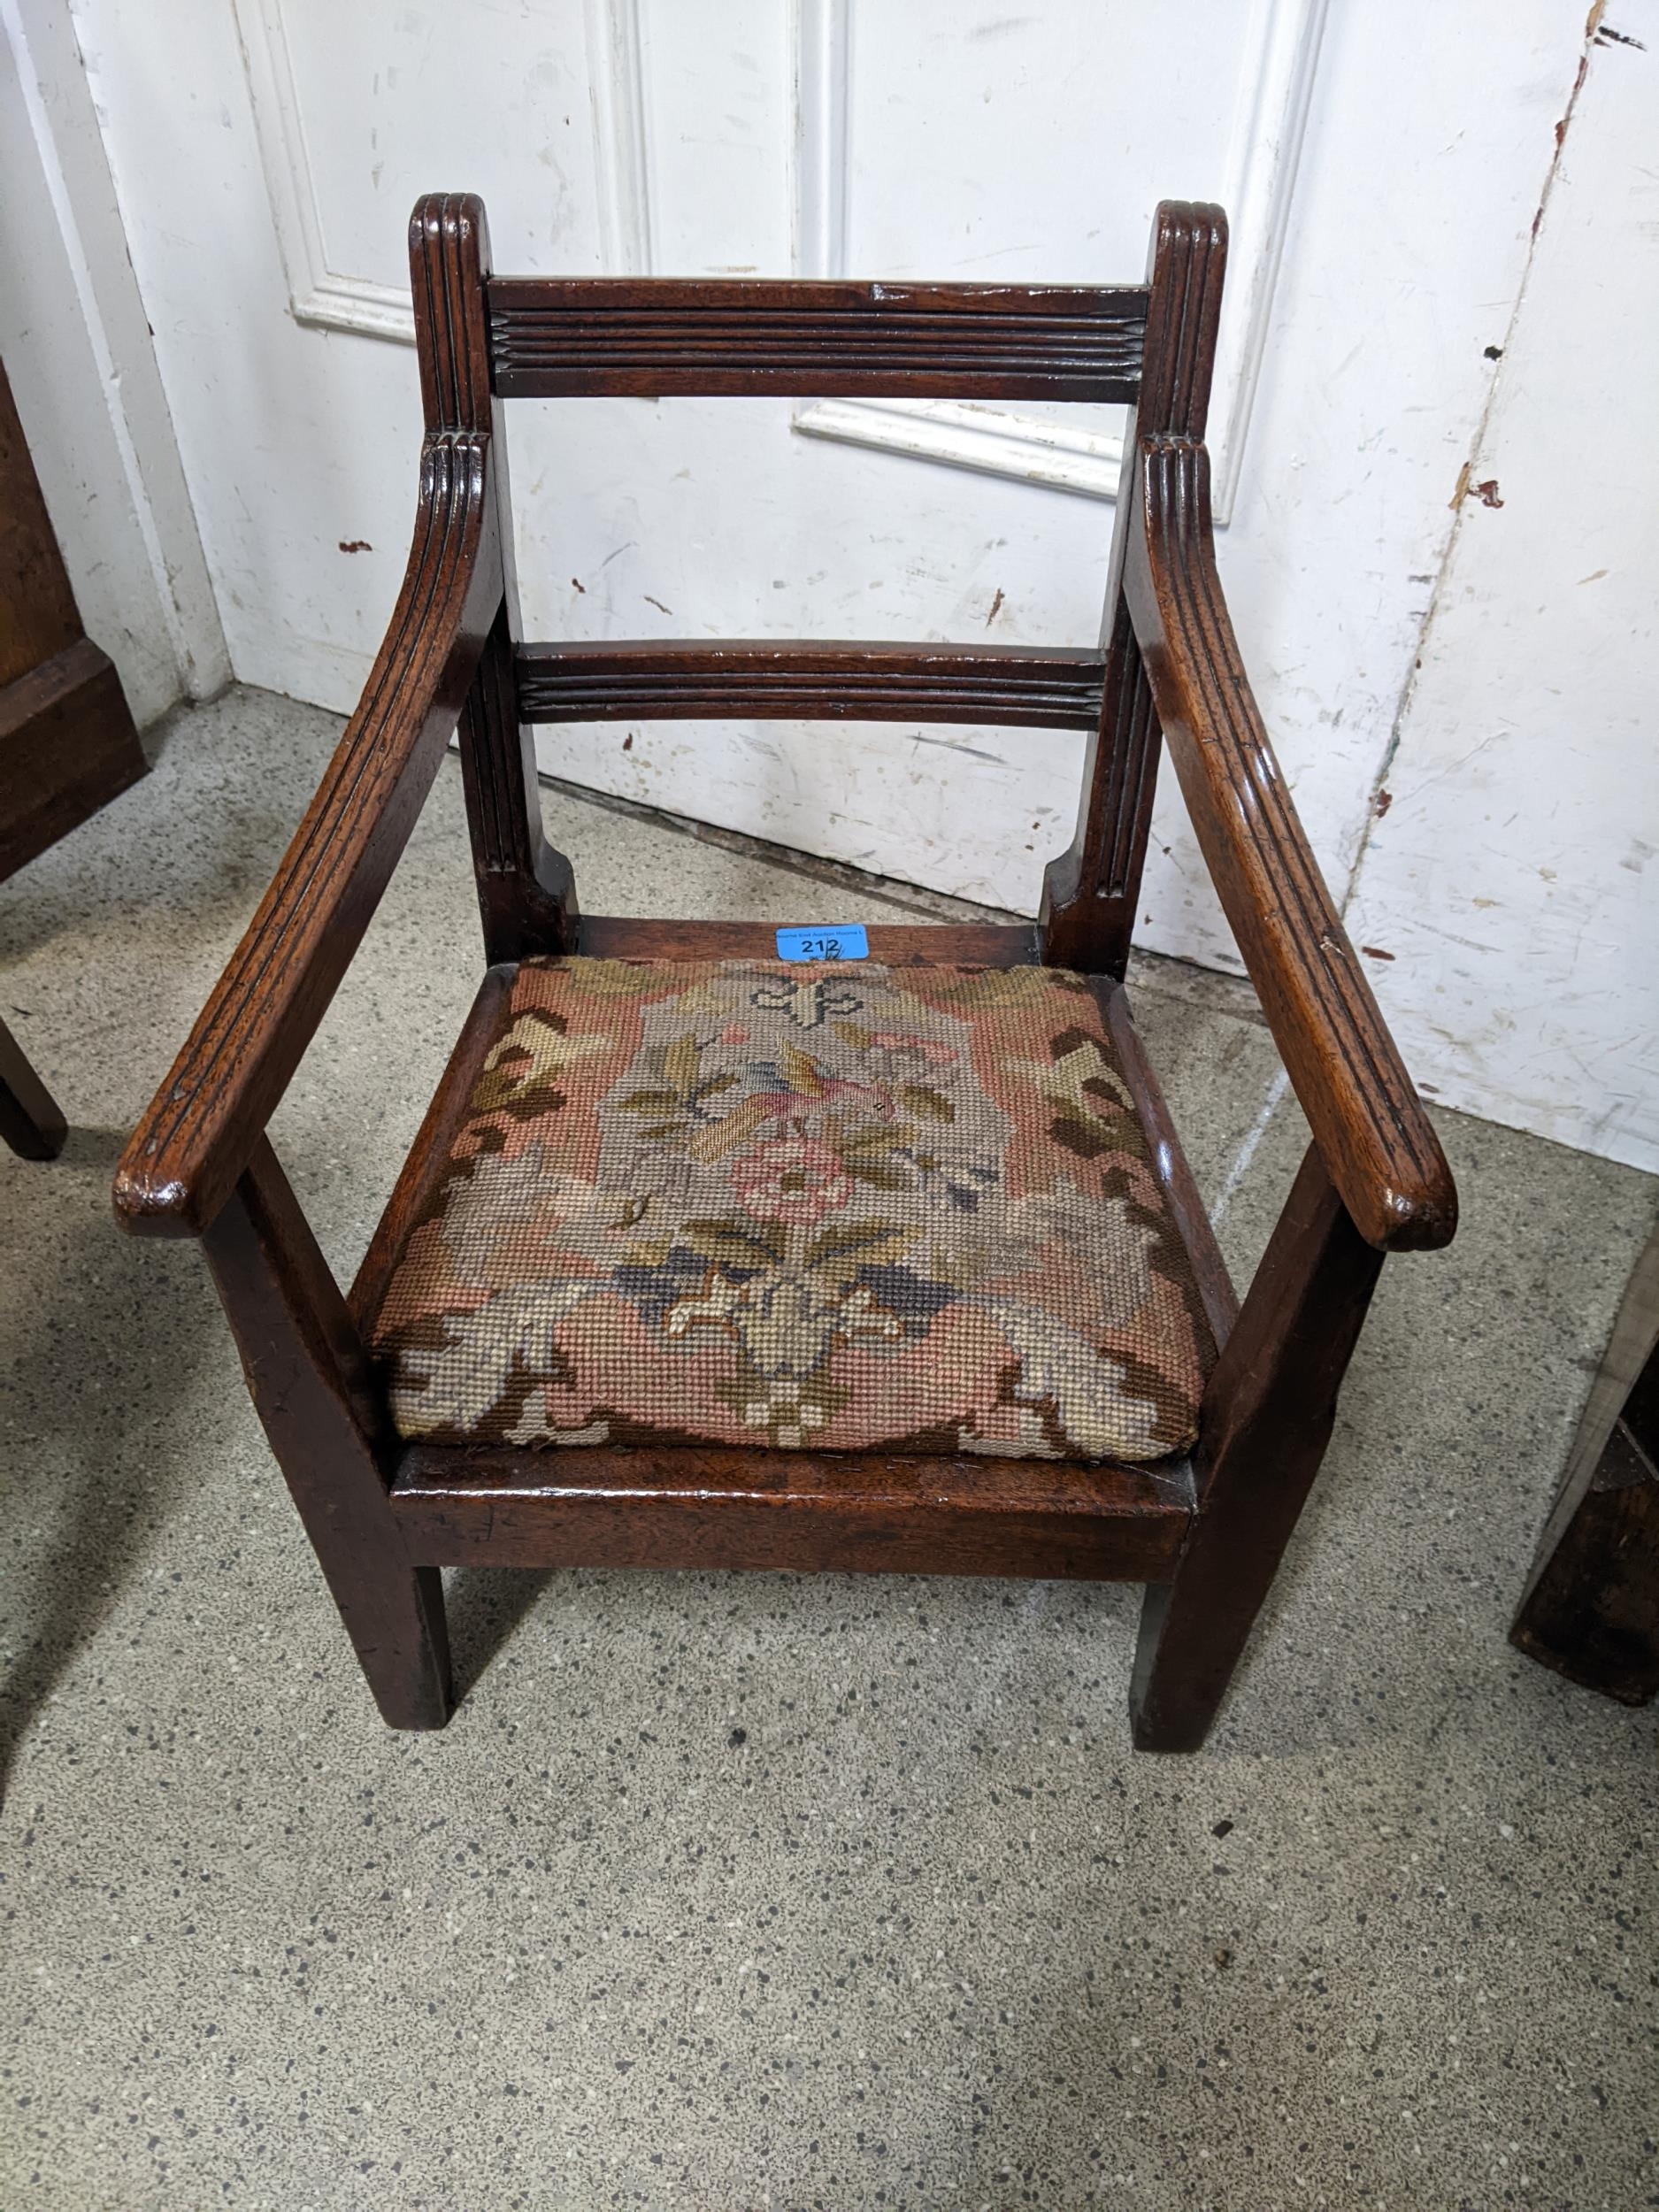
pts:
[1367, 1120]
[186, 1155]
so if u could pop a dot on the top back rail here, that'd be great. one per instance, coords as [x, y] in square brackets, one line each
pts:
[664, 337]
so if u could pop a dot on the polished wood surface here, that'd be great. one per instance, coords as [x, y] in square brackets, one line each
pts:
[1207, 1534]
[527, 892]
[1169, 1162]
[898, 944]
[417, 1178]
[38, 615]
[552, 337]
[1363, 1109]
[185, 1157]
[327, 1426]
[731, 1507]
[67, 743]
[1266, 1419]
[1090, 895]
[649, 680]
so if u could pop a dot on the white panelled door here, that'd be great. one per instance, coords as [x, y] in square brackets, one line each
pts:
[267, 157]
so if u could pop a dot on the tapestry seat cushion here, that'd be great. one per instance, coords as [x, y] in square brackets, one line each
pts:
[842, 1208]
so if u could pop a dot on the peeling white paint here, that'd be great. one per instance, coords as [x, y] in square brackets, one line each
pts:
[1509, 875]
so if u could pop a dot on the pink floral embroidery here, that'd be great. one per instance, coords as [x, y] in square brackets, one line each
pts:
[791, 1179]
[838, 1209]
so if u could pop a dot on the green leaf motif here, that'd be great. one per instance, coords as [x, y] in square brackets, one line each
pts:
[878, 1178]
[731, 1241]
[921, 1098]
[879, 1136]
[679, 1063]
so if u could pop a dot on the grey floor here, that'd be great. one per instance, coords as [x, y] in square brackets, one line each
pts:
[757, 1892]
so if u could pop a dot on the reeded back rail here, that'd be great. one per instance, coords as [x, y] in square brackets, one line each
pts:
[410, 1419]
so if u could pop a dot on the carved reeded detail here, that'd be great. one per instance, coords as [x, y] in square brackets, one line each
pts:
[553, 337]
[1091, 893]
[527, 893]
[650, 679]
[1131, 766]
[186, 1153]
[1189, 262]
[448, 255]
[1366, 1118]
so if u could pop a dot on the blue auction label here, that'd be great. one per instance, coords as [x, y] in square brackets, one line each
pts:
[849, 942]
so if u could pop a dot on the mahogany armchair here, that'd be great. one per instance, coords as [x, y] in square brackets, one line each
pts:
[707, 1258]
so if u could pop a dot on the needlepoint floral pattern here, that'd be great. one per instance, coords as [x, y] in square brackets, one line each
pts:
[840, 1208]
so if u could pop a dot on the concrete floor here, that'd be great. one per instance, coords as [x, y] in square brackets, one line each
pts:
[747, 1891]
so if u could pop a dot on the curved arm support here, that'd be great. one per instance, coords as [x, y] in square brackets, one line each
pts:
[200, 1131]
[1371, 1130]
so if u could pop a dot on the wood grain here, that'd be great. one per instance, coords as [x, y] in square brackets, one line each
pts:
[67, 747]
[309, 1384]
[1366, 1118]
[552, 337]
[1266, 1418]
[67, 743]
[184, 1158]
[38, 616]
[898, 944]
[854, 1512]
[422, 1171]
[1090, 895]
[526, 891]
[649, 680]
[1170, 1164]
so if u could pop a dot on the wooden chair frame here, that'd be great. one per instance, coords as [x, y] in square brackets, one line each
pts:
[1204, 1533]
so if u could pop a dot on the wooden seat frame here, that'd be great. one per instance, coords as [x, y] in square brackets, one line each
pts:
[1204, 1533]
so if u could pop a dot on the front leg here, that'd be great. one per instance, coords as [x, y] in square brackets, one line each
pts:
[1266, 1419]
[309, 1381]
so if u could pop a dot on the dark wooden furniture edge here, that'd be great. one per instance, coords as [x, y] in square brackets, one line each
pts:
[1367, 1119]
[898, 944]
[555, 336]
[67, 743]
[660, 680]
[1267, 1416]
[1091, 893]
[67, 747]
[596, 1505]
[188, 1152]
[1590, 1609]
[309, 1380]
[1188, 1209]
[416, 1178]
